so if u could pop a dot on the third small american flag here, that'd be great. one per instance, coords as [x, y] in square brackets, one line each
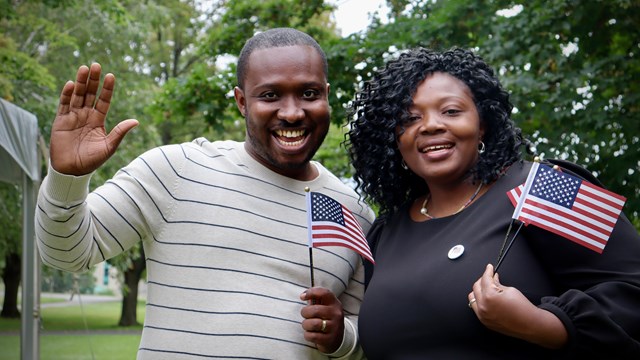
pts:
[569, 206]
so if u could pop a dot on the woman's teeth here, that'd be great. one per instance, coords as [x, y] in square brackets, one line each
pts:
[434, 148]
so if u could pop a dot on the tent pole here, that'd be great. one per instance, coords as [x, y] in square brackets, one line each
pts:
[30, 309]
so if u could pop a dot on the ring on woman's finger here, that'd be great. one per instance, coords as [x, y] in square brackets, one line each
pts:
[324, 326]
[472, 301]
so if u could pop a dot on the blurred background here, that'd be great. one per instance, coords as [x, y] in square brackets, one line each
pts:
[572, 68]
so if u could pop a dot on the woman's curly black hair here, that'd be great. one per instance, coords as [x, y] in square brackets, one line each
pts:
[382, 105]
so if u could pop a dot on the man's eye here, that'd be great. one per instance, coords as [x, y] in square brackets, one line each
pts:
[452, 112]
[269, 95]
[309, 94]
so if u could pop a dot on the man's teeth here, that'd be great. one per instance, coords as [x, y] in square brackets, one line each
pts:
[290, 143]
[290, 134]
[436, 147]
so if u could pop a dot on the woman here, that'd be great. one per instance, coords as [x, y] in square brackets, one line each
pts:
[434, 147]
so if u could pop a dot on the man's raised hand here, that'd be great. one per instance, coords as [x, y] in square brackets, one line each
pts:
[79, 141]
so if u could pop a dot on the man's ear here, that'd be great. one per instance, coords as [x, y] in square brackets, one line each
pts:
[241, 100]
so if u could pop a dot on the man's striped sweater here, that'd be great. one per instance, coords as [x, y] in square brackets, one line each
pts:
[225, 241]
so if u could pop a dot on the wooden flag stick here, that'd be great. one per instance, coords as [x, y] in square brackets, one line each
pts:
[308, 194]
[504, 254]
[311, 266]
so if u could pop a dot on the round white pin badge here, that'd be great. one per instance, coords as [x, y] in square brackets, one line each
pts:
[455, 252]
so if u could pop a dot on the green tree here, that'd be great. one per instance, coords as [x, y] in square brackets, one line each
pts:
[571, 67]
[575, 83]
[54, 41]
[206, 91]
[21, 76]
[10, 245]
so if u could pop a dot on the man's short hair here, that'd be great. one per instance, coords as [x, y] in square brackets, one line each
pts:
[272, 38]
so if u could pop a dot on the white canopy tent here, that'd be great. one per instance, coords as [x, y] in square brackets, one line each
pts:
[20, 165]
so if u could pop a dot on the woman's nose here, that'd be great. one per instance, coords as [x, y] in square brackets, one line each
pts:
[430, 123]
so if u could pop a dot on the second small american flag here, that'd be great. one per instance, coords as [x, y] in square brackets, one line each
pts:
[331, 224]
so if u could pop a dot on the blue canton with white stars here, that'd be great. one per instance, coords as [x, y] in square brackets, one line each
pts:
[555, 186]
[324, 208]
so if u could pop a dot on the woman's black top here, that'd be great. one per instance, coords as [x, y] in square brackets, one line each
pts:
[415, 305]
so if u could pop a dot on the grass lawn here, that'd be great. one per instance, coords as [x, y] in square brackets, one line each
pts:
[117, 343]
[76, 347]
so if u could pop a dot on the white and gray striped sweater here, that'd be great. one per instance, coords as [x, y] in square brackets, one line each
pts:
[226, 245]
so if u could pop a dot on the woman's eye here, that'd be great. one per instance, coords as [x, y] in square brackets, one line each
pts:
[452, 112]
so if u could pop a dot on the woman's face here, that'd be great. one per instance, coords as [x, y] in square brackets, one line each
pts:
[440, 140]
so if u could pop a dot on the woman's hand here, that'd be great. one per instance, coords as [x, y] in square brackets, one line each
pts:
[506, 310]
[323, 322]
[79, 142]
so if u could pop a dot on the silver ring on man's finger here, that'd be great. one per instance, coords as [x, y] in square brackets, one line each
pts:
[324, 326]
[472, 301]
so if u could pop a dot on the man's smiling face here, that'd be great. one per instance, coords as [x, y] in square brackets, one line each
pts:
[284, 100]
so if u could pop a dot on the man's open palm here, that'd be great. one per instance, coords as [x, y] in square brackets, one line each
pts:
[79, 141]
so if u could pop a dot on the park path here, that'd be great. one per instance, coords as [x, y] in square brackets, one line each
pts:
[71, 300]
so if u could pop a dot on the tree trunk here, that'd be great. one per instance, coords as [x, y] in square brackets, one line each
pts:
[132, 276]
[11, 278]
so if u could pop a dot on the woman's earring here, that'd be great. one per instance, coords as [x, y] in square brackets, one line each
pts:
[481, 148]
[404, 165]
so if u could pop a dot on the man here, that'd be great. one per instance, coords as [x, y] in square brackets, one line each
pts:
[223, 224]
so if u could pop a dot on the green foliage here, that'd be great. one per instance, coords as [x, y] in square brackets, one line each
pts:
[203, 95]
[10, 220]
[56, 37]
[571, 67]
[233, 22]
[333, 155]
[205, 92]
[574, 82]
[22, 76]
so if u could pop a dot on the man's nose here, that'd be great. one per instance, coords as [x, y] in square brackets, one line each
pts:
[290, 110]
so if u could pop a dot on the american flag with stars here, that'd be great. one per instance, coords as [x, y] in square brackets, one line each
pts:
[569, 206]
[332, 224]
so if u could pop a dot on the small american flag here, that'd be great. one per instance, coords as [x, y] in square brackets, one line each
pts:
[568, 206]
[331, 224]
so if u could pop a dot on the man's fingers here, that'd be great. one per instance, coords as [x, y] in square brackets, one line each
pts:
[321, 296]
[104, 101]
[65, 98]
[117, 133]
[92, 84]
[77, 99]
